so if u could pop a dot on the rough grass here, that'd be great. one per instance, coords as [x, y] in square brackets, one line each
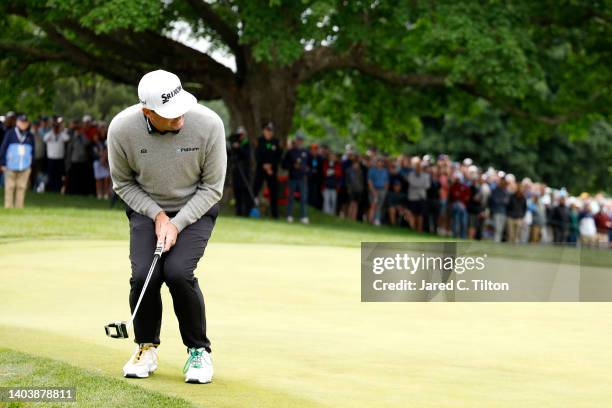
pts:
[93, 389]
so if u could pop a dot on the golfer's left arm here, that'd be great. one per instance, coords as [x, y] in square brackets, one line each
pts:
[212, 179]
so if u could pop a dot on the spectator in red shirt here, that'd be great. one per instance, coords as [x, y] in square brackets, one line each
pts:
[603, 225]
[332, 180]
[458, 196]
[89, 128]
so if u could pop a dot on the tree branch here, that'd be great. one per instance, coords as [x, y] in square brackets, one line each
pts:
[37, 54]
[113, 71]
[124, 56]
[153, 49]
[326, 58]
[214, 21]
[227, 33]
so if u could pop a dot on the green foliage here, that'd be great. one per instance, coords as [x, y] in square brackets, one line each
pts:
[542, 66]
[493, 139]
[92, 95]
[110, 15]
[362, 109]
[27, 91]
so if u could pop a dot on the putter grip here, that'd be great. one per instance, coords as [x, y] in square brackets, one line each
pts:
[159, 249]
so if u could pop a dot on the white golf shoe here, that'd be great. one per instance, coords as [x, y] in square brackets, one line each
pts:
[198, 368]
[142, 363]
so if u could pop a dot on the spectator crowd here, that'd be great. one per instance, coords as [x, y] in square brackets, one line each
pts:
[50, 155]
[426, 194]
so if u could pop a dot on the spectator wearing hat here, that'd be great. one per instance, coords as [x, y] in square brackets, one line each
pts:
[240, 165]
[55, 141]
[88, 128]
[343, 202]
[7, 123]
[560, 220]
[318, 154]
[432, 204]
[332, 181]
[100, 163]
[587, 226]
[517, 207]
[458, 196]
[498, 204]
[78, 162]
[16, 156]
[296, 161]
[405, 169]
[39, 167]
[418, 183]
[608, 208]
[603, 225]
[475, 207]
[355, 186]
[538, 212]
[573, 235]
[396, 202]
[378, 184]
[268, 155]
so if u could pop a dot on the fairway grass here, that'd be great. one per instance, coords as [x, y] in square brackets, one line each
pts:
[288, 330]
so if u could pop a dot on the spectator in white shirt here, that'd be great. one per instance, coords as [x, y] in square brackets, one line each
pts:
[56, 140]
[418, 183]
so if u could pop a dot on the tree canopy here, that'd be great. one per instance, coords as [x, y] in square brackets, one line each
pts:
[387, 65]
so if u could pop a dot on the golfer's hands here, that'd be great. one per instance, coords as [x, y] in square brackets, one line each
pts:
[165, 230]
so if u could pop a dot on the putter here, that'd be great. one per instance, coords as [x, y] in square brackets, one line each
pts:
[119, 329]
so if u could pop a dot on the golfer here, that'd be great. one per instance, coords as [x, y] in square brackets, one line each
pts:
[168, 159]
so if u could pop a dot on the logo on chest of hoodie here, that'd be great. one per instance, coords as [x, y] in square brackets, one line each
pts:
[187, 149]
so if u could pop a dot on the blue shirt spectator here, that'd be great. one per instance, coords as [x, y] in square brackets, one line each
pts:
[18, 137]
[379, 177]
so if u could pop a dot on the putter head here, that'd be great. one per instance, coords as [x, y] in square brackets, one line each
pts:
[117, 330]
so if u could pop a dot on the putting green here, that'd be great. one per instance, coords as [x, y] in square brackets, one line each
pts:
[288, 329]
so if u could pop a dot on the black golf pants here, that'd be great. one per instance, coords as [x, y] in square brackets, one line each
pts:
[175, 268]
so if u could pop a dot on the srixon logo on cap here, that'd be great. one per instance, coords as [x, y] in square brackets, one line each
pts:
[166, 96]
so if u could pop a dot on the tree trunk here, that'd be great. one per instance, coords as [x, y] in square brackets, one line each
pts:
[265, 95]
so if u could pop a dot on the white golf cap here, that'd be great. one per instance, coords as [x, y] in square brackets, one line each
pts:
[162, 92]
